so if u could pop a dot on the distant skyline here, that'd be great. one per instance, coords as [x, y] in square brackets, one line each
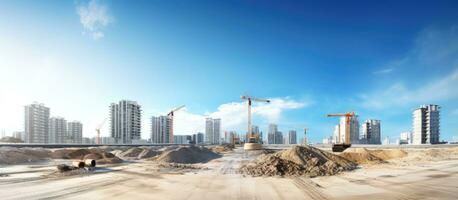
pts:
[379, 59]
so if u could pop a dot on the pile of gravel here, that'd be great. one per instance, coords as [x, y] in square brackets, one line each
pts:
[298, 161]
[13, 155]
[191, 154]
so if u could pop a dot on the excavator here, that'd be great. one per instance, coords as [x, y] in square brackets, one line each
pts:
[339, 146]
[253, 142]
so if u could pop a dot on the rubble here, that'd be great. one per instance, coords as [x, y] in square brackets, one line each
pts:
[191, 154]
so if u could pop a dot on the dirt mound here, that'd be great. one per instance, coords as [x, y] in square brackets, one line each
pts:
[103, 158]
[190, 154]
[222, 148]
[132, 152]
[299, 160]
[148, 153]
[361, 156]
[389, 154]
[12, 155]
[69, 153]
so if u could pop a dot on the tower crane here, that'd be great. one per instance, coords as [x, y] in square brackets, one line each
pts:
[252, 139]
[340, 146]
[97, 130]
[170, 115]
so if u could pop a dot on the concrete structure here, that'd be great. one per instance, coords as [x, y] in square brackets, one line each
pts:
[212, 130]
[370, 132]
[405, 138]
[335, 135]
[182, 139]
[328, 140]
[36, 123]
[161, 129]
[57, 130]
[278, 139]
[125, 119]
[273, 129]
[88, 141]
[19, 135]
[354, 129]
[292, 137]
[75, 132]
[426, 125]
[198, 138]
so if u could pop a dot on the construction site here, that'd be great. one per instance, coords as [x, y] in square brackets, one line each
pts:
[229, 172]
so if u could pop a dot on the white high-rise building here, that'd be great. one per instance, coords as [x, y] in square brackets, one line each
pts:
[335, 136]
[160, 130]
[212, 130]
[75, 132]
[19, 135]
[370, 133]
[125, 119]
[426, 125]
[354, 129]
[57, 130]
[36, 123]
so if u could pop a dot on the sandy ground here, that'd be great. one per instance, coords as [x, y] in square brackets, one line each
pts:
[219, 179]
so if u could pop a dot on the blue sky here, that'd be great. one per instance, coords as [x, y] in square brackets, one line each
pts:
[379, 59]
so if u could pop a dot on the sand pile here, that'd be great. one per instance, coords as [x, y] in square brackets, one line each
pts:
[222, 148]
[13, 155]
[100, 155]
[136, 153]
[365, 156]
[300, 160]
[191, 154]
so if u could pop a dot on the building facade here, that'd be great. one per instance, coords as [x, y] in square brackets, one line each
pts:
[161, 130]
[405, 138]
[125, 119]
[370, 132]
[75, 132]
[273, 129]
[198, 138]
[292, 137]
[57, 130]
[353, 129]
[36, 123]
[212, 130]
[182, 139]
[19, 135]
[426, 125]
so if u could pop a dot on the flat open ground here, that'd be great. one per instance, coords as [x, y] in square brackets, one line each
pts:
[219, 179]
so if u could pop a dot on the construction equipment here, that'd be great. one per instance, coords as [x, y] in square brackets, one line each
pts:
[170, 115]
[340, 146]
[253, 139]
[97, 130]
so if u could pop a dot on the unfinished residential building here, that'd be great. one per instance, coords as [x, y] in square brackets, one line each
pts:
[36, 123]
[75, 132]
[370, 133]
[426, 125]
[273, 129]
[160, 129]
[57, 130]
[353, 130]
[125, 119]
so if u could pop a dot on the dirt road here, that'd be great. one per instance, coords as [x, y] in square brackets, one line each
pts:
[219, 179]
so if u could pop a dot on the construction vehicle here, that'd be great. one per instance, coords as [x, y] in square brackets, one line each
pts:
[340, 146]
[97, 130]
[253, 141]
[170, 115]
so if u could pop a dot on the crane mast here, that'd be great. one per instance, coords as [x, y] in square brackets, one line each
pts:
[252, 138]
[340, 146]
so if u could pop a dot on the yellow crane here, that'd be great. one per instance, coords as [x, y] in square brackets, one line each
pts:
[252, 138]
[170, 115]
[340, 146]
[97, 130]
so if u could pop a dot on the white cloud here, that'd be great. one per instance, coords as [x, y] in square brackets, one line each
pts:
[398, 94]
[455, 112]
[94, 17]
[384, 71]
[234, 115]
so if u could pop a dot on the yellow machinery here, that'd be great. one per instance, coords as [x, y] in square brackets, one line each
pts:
[253, 142]
[340, 146]
[97, 130]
